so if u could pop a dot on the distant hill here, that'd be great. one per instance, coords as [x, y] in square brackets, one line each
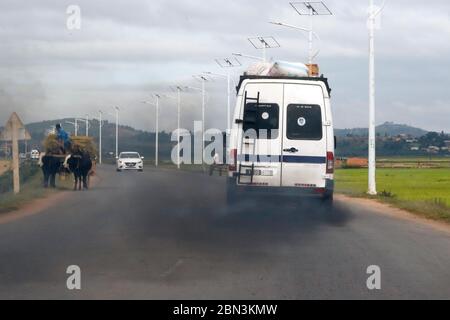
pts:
[130, 139]
[386, 129]
[351, 141]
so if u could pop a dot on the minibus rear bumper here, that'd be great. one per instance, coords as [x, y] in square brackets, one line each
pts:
[257, 190]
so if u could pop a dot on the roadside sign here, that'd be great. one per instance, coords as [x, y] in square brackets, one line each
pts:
[14, 131]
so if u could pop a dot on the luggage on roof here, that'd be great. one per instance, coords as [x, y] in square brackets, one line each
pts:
[278, 69]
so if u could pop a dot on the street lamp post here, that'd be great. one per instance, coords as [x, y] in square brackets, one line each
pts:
[87, 125]
[157, 97]
[100, 127]
[178, 124]
[228, 63]
[372, 129]
[117, 130]
[156, 104]
[311, 9]
[75, 124]
[203, 81]
[311, 34]
[116, 115]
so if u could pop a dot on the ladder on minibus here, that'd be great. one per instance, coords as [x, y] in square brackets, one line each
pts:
[250, 142]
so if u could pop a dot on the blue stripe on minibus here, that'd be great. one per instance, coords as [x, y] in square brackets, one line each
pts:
[285, 159]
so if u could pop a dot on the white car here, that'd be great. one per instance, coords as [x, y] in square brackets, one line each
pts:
[34, 155]
[130, 161]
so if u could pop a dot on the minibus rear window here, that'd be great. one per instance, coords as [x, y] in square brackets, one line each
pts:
[262, 118]
[304, 122]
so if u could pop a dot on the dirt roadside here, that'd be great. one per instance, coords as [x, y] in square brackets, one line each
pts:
[38, 205]
[388, 210]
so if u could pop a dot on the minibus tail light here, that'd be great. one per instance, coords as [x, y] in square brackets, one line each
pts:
[233, 160]
[330, 162]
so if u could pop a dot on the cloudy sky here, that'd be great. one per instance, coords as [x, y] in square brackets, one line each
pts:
[127, 49]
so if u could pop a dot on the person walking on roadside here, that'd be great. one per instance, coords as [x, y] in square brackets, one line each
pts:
[216, 163]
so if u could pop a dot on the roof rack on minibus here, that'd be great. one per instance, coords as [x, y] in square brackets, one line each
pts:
[320, 79]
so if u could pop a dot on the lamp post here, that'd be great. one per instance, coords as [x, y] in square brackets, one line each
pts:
[228, 63]
[75, 124]
[178, 90]
[116, 114]
[228, 78]
[156, 104]
[310, 32]
[100, 127]
[203, 81]
[373, 13]
[87, 125]
[311, 9]
[178, 124]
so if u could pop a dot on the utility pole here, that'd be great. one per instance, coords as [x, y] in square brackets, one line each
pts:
[87, 125]
[372, 128]
[100, 127]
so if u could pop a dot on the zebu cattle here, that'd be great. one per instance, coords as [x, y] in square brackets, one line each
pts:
[80, 164]
[50, 167]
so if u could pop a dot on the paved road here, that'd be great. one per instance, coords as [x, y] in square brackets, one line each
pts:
[166, 235]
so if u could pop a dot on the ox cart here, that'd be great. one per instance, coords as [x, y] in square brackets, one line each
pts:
[79, 159]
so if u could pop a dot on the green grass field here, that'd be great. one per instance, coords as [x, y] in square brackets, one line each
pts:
[422, 191]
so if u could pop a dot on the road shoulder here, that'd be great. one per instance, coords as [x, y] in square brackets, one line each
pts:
[33, 207]
[38, 205]
[382, 208]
